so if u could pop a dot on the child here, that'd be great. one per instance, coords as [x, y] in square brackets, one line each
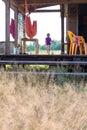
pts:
[48, 43]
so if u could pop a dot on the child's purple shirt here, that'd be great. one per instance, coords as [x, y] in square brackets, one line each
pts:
[48, 41]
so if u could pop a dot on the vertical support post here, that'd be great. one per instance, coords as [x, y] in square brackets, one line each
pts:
[62, 29]
[7, 35]
[24, 42]
[16, 26]
[24, 26]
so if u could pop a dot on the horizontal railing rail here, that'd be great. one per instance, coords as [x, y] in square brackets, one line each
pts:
[44, 62]
[47, 73]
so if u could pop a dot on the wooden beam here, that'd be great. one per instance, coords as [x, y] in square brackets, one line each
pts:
[33, 2]
[40, 2]
[16, 27]
[14, 4]
[7, 35]
[76, 1]
[62, 29]
[46, 11]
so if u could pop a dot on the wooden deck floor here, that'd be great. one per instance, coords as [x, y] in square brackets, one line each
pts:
[78, 63]
[43, 59]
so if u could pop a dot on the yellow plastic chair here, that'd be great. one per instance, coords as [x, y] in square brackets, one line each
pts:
[75, 43]
[79, 44]
[72, 42]
[83, 43]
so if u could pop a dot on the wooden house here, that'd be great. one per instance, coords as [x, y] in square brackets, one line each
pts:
[75, 12]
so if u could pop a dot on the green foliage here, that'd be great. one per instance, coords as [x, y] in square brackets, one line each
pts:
[55, 45]
[9, 67]
[37, 67]
[30, 47]
[26, 67]
[43, 47]
[60, 79]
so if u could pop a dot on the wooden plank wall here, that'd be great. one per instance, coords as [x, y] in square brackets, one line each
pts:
[72, 19]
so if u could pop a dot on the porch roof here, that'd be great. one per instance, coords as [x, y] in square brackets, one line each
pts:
[35, 4]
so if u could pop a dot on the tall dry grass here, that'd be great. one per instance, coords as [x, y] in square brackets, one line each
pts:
[29, 102]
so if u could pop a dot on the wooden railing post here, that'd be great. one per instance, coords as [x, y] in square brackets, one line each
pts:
[7, 35]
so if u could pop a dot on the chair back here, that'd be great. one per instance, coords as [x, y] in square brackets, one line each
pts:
[82, 39]
[72, 36]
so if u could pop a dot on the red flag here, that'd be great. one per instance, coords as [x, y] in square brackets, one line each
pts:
[12, 28]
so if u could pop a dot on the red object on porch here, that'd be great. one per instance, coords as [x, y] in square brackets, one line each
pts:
[12, 28]
[30, 28]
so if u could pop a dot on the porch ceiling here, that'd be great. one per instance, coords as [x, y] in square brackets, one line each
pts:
[35, 4]
[42, 2]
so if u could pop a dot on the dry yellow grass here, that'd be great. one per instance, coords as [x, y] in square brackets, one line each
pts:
[27, 103]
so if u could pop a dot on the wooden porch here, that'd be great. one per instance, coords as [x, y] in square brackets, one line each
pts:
[70, 9]
[73, 63]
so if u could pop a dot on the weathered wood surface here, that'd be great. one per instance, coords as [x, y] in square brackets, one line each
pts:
[51, 1]
[60, 59]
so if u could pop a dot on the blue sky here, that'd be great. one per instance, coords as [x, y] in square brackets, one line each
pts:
[46, 23]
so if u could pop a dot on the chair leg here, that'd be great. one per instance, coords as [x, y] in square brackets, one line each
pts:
[80, 48]
[73, 48]
[76, 49]
[85, 48]
[70, 48]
